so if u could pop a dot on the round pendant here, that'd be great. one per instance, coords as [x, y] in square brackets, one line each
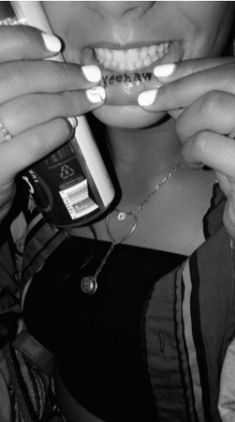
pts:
[121, 216]
[89, 284]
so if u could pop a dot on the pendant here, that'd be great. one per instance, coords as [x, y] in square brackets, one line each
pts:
[121, 215]
[89, 285]
[127, 225]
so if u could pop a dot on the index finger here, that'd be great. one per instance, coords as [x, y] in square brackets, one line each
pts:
[170, 72]
[24, 42]
[184, 90]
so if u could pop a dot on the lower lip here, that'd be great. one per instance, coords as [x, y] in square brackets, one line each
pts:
[123, 88]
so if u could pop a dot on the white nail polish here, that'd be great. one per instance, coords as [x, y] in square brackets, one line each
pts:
[73, 121]
[164, 70]
[52, 43]
[96, 94]
[92, 73]
[147, 98]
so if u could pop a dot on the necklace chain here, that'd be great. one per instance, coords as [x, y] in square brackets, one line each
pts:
[89, 283]
[161, 182]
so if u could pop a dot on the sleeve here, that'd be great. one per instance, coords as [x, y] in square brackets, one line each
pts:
[226, 403]
[190, 324]
[227, 385]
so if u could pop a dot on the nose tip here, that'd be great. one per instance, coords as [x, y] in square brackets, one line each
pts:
[121, 8]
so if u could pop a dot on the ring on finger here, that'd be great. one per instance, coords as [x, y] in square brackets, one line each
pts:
[5, 132]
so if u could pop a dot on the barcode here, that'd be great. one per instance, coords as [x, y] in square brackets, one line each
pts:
[77, 200]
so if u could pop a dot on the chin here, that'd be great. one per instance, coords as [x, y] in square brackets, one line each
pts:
[127, 116]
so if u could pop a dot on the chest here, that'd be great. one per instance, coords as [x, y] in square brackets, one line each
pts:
[172, 221]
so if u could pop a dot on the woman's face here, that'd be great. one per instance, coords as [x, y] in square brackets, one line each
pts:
[127, 39]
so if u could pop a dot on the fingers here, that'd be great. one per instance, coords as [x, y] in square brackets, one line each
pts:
[213, 150]
[36, 97]
[214, 111]
[20, 78]
[31, 110]
[24, 42]
[173, 71]
[181, 92]
[30, 146]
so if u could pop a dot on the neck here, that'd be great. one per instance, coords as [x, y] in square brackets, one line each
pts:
[141, 157]
[159, 144]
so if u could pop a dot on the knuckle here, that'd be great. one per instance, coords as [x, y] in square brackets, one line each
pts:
[58, 73]
[28, 39]
[43, 137]
[229, 71]
[23, 35]
[12, 76]
[71, 101]
[75, 103]
[63, 127]
[169, 93]
[64, 74]
[26, 106]
[180, 126]
[18, 37]
[200, 144]
[208, 103]
[36, 141]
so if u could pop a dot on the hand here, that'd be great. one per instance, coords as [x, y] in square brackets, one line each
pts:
[36, 98]
[200, 95]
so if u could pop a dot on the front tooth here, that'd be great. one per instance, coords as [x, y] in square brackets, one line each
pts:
[132, 55]
[165, 47]
[143, 53]
[132, 66]
[100, 53]
[121, 66]
[105, 62]
[155, 57]
[160, 49]
[147, 61]
[118, 56]
[152, 50]
[108, 54]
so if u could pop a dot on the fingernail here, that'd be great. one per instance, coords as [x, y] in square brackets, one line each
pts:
[96, 94]
[164, 70]
[73, 121]
[147, 98]
[52, 43]
[92, 73]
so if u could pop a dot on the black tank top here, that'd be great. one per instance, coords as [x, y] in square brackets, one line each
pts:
[99, 340]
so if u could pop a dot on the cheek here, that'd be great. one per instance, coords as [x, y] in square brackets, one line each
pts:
[69, 20]
[213, 31]
[131, 117]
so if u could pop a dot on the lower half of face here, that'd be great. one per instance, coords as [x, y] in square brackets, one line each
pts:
[122, 89]
[127, 42]
[125, 74]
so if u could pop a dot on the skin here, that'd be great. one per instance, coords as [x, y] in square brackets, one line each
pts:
[126, 23]
[197, 103]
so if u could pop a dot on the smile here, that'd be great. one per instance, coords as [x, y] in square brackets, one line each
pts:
[131, 59]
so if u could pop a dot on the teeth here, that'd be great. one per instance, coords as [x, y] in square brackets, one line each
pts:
[131, 59]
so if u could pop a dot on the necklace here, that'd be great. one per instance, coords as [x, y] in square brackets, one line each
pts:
[89, 283]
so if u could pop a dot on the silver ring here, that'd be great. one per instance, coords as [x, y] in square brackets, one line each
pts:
[6, 134]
